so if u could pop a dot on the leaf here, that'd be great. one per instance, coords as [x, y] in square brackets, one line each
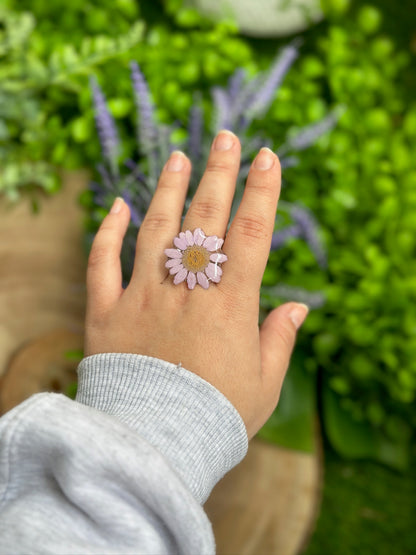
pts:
[358, 439]
[292, 424]
[75, 355]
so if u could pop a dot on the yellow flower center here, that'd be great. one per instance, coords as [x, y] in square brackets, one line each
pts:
[195, 258]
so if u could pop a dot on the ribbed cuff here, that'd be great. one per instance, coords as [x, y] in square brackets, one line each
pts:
[179, 413]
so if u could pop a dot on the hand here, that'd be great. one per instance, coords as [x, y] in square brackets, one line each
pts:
[213, 333]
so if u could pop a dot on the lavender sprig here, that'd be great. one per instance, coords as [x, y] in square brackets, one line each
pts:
[106, 127]
[314, 299]
[260, 103]
[235, 84]
[308, 135]
[147, 133]
[304, 218]
[222, 109]
[195, 129]
[281, 237]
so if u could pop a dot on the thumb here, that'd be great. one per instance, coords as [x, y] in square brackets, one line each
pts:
[104, 278]
[277, 339]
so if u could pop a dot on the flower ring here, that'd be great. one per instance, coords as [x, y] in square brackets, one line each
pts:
[195, 259]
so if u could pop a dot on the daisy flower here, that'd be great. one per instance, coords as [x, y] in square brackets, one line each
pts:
[195, 259]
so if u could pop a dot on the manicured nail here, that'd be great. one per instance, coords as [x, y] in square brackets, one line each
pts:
[117, 205]
[298, 314]
[224, 140]
[264, 159]
[176, 161]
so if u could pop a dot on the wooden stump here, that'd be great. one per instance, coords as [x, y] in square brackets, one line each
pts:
[40, 365]
[267, 505]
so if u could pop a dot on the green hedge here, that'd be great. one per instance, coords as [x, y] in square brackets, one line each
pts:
[361, 184]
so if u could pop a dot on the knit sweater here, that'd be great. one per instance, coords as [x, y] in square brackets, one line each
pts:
[125, 468]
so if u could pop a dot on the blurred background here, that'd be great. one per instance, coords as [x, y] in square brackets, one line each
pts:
[110, 87]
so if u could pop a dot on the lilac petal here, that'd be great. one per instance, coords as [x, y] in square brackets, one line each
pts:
[180, 276]
[202, 280]
[214, 272]
[191, 279]
[176, 269]
[199, 236]
[212, 243]
[173, 253]
[180, 243]
[189, 237]
[173, 262]
[218, 257]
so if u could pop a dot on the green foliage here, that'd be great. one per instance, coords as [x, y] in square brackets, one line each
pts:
[366, 509]
[293, 424]
[43, 75]
[360, 183]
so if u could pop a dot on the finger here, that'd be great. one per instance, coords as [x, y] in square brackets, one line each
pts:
[163, 219]
[104, 276]
[249, 237]
[211, 205]
[277, 340]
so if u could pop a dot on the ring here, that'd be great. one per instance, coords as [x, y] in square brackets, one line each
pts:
[196, 258]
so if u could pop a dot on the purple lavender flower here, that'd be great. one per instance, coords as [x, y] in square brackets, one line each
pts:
[281, 237]
[222, 109]
[106, 127]
[147, 133]
[137, 216]
[195, 129]
[314, 299]
[235, 84]
[309, 230]
[260, 103]
[308, 135]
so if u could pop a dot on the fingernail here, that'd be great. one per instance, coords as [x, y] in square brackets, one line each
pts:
[298, 314]
[264, 159]
[224, 140]
[117, 204]
[176, 161]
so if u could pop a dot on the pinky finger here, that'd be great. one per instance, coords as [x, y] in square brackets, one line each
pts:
[104, 277]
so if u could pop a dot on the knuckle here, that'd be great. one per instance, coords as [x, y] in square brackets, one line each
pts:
[266, 190]
[218, 166]
[252, 227]
[156, 222]
[287, 336]
[207, 209]
[98, 254]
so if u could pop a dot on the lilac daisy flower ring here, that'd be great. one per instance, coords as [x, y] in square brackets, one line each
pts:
[196, 258]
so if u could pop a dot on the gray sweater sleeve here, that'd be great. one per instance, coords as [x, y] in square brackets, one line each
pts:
[123, 469]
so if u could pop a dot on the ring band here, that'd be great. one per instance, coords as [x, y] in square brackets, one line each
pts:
[195, 258]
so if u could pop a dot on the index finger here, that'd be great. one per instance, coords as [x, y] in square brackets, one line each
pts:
[249, 238]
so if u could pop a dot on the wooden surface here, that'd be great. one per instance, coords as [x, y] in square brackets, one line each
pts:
[266, 505]
[42, 267]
